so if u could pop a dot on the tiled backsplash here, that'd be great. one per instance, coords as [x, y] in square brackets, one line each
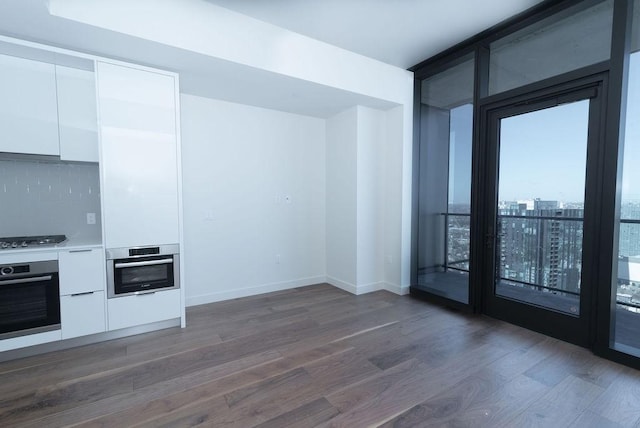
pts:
[47, 198]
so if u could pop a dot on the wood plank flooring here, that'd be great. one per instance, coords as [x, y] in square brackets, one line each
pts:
[318, 356]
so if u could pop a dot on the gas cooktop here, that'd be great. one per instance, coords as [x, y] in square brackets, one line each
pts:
[30, 241]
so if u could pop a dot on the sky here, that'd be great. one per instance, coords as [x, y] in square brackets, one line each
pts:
[543, 153]
[460, 138]
[631, 164]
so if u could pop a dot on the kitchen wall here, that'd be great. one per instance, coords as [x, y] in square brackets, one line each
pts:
[253, 197]
[48, 198]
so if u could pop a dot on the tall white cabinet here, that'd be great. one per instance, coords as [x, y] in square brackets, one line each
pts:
[139, 156]
[140, 178]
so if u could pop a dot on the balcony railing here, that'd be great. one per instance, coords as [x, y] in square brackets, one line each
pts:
[539, 252]
[540, 287]
[630, 305]
[456, 264]
[460, 264]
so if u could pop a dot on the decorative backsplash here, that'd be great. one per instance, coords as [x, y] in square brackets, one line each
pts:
[46, 198]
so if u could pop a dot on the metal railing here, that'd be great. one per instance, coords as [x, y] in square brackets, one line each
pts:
[541, 217]
[629, 221]
[530, 284]
[454, 264]
[618, 302]
[552, 252]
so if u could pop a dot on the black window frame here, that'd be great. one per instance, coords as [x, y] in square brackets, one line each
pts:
[616, 67]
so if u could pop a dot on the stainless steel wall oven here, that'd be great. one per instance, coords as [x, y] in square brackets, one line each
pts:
[29, 298]
[142, 270]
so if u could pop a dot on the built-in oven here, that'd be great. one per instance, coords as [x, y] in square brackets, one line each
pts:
[142, 270]
[29, 298]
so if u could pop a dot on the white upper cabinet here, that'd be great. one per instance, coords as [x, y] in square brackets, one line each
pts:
[77, 117]
[28, 110]
[137, 111]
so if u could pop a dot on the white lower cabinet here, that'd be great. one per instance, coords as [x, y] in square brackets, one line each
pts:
[130, 311]
[82, 314]
[82, 292]
[82, 270]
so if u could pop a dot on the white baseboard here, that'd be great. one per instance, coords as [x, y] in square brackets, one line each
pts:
[219, 296]
[370, 288]
[343, 285]
[367, 288]
[203, 299]
[396, 289]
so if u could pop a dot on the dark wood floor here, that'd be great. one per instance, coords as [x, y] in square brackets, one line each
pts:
[317, 356]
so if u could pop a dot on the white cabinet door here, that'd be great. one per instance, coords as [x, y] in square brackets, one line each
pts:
[139, 156]
[82, 271]
[82, 314]
[77, 116]
[130, 311]
[28, 111]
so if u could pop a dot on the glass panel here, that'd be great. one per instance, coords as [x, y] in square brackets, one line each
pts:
[541, 189]
[145, 274]
[563, 42]
[22, 306]
[626, 317]
[446, 128]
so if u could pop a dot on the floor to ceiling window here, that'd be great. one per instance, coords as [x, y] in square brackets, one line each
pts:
[626, 317]
[573, 38]
[524, 117]
[444, 184]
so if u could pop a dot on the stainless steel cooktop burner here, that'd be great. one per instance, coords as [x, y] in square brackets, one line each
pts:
[30, 241]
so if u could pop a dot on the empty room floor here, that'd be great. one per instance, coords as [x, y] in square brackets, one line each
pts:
[318, 356]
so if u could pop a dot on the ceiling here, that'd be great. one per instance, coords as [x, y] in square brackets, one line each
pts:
[398, 32]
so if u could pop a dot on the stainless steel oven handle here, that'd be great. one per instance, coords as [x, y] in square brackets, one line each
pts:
[26, 280]
[147, 263]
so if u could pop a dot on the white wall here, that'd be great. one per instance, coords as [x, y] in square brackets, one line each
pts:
[275, 200]
[370, 172]
[364, 200]
[240, 165]
[341, 161]
[396, 205]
